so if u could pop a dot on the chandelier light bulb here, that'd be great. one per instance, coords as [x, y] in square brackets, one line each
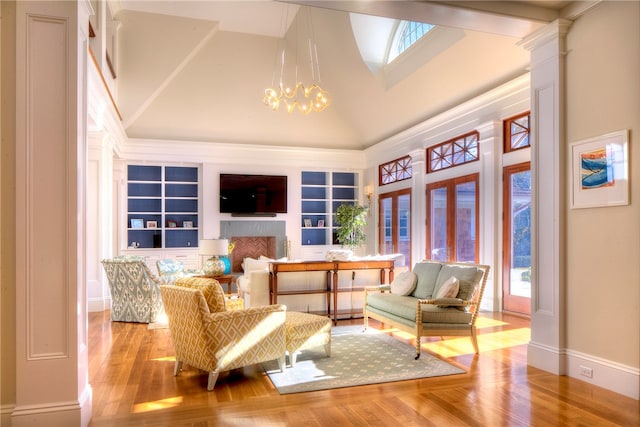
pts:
[300, 98]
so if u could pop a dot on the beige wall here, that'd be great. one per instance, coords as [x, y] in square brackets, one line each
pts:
[603, 244]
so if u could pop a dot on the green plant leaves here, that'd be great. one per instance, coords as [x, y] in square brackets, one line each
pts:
[352, 219]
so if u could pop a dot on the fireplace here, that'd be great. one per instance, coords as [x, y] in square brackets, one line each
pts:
[254, 238]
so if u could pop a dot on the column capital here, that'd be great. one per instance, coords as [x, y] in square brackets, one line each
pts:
[555, 30]
[417, 155]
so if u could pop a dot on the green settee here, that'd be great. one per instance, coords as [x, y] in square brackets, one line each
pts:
[434, 299]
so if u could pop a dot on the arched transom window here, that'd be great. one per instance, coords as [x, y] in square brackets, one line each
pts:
[407, 33]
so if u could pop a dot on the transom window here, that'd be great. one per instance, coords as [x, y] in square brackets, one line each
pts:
[516, 132]
[455, 152]
[407, 34]
[395, 170]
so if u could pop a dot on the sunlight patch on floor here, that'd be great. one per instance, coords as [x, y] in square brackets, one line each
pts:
[450, 347]
[484, 322]
[458, 346]
[156, 405]
[165, 359]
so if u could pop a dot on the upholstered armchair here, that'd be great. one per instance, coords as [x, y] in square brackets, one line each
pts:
[207, 335]
[170, 270]
[135, 292]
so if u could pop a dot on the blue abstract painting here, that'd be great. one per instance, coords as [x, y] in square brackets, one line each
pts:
[597, 169]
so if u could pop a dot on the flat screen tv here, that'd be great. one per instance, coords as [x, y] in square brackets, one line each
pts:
[253, 194]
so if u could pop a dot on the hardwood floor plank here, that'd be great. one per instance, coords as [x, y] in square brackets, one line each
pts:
[131, 373]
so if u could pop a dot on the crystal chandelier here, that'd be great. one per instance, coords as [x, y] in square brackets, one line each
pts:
[304, 99]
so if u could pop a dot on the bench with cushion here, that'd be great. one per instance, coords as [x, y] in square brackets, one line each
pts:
[306, 330]
[434, 299]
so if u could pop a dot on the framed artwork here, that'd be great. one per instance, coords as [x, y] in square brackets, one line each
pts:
[600, 171]
[307, 222]
[172, 224]
[321, 223]
[187, 224]
[152, 224]
[137, 223]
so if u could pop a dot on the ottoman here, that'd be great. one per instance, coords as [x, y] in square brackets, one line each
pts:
[305, 330]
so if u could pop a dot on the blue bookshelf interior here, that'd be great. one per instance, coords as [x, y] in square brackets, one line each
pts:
[162, 194]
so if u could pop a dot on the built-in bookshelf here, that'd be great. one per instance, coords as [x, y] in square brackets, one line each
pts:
[322, 193]
[162, 206]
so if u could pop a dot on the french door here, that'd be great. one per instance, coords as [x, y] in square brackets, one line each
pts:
[516, 254]
[394, 229]
[452, 219]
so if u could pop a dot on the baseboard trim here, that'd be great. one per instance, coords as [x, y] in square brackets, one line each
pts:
[98, 304]
[5, 414]
[610, 375]
[70, 413]
[606, 374]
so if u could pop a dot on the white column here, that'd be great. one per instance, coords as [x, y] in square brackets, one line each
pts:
[418, 205]
[489, 192]
[548, 147]
[52, 385]
[100, 219]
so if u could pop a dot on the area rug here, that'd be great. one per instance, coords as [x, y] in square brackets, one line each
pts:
[357, 358]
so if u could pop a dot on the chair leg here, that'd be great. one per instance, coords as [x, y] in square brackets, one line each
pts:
[282, 362]
[213, 377]
[327, 349]
[418, 343]
[177, 368]
[292, 358]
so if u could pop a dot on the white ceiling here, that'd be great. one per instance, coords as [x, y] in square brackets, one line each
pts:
[197, 70]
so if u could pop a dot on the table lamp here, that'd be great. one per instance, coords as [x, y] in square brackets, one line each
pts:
[214, 248]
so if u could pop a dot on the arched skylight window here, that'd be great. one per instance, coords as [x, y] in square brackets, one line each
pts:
[407, 33]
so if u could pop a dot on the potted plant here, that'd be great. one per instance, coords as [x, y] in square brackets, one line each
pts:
[352, 219]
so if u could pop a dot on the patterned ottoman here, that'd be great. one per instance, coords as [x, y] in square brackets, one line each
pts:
[306, 330]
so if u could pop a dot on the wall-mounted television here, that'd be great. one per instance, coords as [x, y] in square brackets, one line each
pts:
[253, 194]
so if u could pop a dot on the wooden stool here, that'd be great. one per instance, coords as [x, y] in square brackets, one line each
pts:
[305, 330]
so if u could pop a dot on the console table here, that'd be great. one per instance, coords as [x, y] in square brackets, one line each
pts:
[282, 267]
[332, 268]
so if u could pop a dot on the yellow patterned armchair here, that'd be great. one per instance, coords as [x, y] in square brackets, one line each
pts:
[135, 291]
[208, 335]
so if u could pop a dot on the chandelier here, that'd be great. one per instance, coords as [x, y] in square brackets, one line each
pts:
[304, 99]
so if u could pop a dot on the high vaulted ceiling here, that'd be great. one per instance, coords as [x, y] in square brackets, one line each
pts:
[197, 70]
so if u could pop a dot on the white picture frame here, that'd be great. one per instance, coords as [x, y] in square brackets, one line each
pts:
[137, 223]
[600, 171]
[307, 222]
[152, 224]
[187, 224]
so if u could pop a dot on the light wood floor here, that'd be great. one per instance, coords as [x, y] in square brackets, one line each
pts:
[131, 373]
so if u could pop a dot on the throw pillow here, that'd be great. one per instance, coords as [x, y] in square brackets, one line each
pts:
[404, 283]
[427, 274]
[252, 264]
[449, 288]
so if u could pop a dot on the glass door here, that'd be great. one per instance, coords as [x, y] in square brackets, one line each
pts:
[452, 219]
[516, 275]
[395, 223]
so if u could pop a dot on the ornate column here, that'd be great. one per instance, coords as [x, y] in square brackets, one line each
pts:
[548, 148]
[51, 372]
